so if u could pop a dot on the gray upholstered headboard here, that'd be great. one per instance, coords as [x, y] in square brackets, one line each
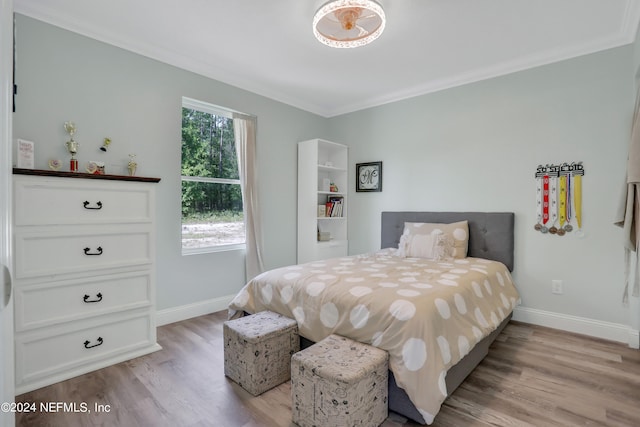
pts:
[490, 233]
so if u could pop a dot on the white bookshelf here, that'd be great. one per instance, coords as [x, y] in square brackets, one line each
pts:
[319, 162]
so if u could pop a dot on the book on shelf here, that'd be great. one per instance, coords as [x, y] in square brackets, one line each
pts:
[334, 206]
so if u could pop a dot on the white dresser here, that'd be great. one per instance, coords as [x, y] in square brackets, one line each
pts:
[84, 251]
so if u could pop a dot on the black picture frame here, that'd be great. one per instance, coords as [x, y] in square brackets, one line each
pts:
[369, 177]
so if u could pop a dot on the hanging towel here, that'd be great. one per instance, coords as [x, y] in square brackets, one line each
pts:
[628, 214]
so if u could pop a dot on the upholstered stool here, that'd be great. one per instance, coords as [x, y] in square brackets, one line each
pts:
[339, 382]
[258, 349]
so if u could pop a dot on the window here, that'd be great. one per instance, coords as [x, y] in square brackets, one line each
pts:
[212, 211]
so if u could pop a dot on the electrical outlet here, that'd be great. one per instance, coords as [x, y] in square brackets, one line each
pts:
[556, 287]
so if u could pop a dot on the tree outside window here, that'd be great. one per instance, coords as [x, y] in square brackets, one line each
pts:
[212, 211]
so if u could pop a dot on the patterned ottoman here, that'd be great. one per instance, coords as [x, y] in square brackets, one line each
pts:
[339, 382]
[258, 349]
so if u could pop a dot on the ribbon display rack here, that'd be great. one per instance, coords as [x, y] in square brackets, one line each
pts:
[559, 198]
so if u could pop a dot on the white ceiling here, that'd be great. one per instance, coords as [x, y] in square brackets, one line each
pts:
[267, 46]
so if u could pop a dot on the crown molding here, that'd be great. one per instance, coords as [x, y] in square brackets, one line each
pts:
[626, 35]
[167, 56]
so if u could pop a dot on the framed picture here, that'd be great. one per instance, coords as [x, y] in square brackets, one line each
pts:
[25, 154]
[369, 176]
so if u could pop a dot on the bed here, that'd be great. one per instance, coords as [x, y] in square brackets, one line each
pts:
[435, 317]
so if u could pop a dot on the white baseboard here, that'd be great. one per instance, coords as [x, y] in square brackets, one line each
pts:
[634, 338]
[580, 325]
[184, 312]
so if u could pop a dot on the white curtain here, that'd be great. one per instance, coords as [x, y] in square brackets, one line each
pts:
[245, 134]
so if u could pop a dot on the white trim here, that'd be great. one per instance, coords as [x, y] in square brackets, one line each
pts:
[580, 325]
[634, 338]
[7, 357]
[212, 180]
[216, 248]
[215, 110]
[187, 311]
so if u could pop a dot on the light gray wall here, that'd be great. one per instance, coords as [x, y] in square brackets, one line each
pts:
[474, 147]
[477, 147]
[136, 101]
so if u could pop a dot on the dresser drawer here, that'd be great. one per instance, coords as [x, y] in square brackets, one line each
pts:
[40, 356]
[81, 250]
[56, 302]
[51, 201]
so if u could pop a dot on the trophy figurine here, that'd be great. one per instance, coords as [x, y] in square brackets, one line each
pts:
[132, 165]
[72, 146]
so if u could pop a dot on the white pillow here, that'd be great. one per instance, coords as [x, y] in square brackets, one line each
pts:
[435, 246]
[457, 233]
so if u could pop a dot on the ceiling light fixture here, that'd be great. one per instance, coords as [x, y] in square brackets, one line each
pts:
[349, 23]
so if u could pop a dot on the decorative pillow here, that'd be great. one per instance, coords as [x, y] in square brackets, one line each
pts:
[457, 233]
[436, 246]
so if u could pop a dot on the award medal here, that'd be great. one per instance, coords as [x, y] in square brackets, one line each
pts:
[568, 228]
[538, 226]
[553, 203]
[545, 204]
[563, 204]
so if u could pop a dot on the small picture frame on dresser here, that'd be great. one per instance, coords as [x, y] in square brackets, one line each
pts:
[26, 154]
[369, 177]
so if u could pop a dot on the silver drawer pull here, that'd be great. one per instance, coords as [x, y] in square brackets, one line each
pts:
[98, 205]
[98, 296]
[87, 251]
[87, 342]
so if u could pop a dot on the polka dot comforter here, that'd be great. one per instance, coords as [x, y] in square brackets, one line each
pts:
[426, 314]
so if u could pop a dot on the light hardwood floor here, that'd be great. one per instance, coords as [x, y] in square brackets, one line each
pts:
[532, 376]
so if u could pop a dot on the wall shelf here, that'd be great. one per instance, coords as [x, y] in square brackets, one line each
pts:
[63, 174]
[322, 162]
